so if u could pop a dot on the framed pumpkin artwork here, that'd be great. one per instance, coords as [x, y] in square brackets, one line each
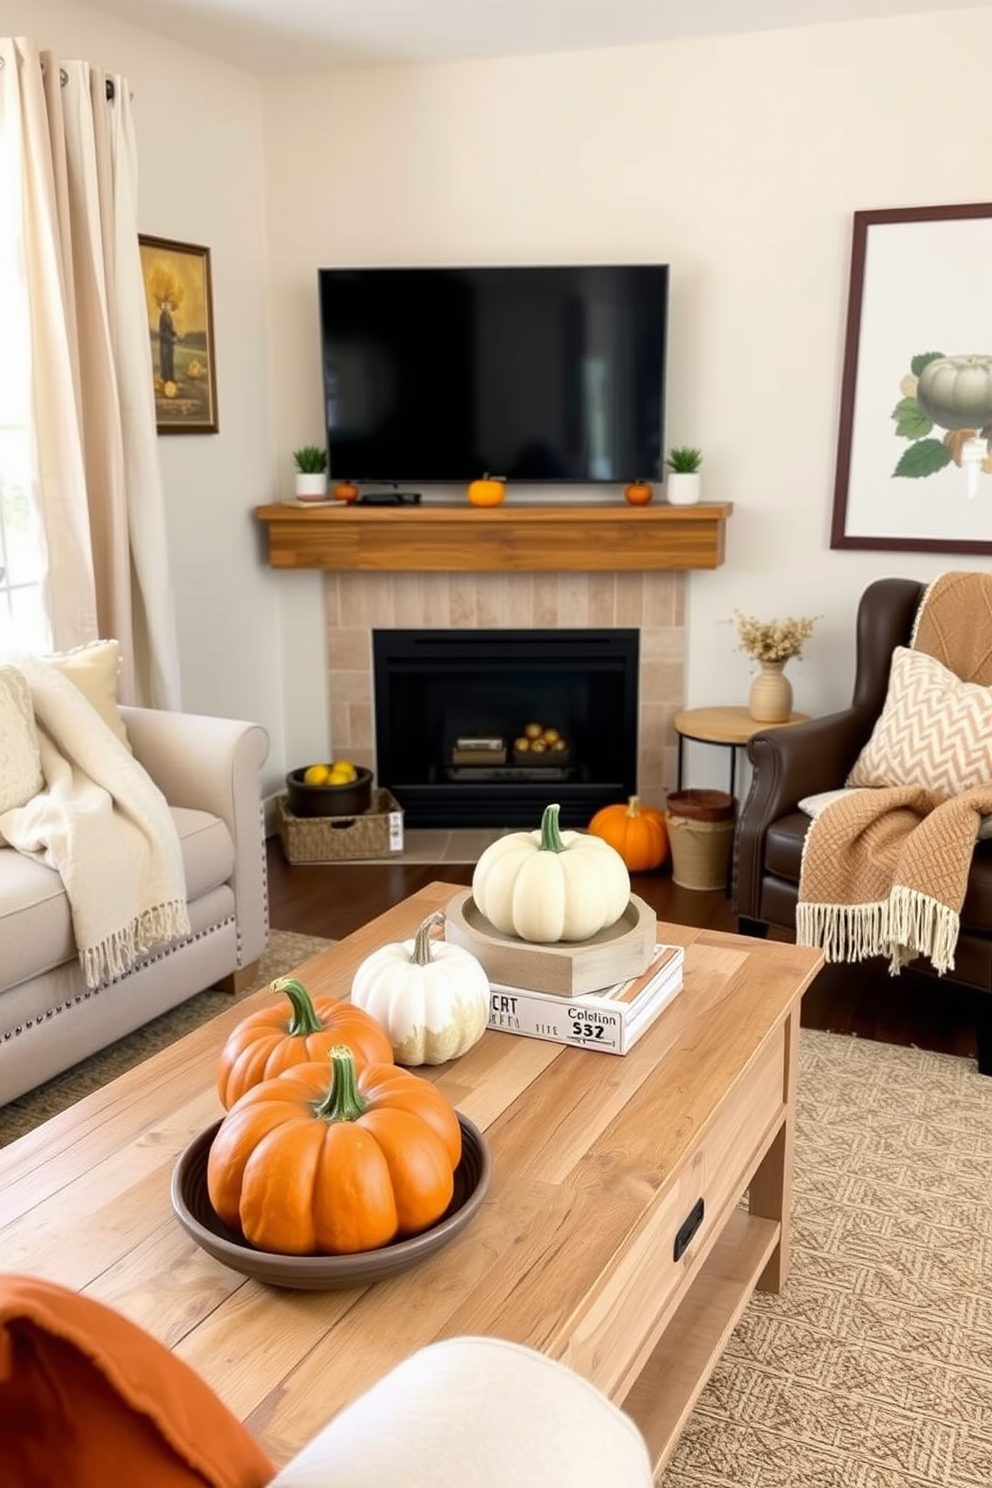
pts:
[914, 451]
[179, 303]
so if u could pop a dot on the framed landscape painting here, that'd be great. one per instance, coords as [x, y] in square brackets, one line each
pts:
[914, 450]
[181, 327]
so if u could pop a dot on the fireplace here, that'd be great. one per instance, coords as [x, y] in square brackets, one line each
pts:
[450, 704]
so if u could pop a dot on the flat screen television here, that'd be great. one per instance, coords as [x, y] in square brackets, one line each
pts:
[534, 374]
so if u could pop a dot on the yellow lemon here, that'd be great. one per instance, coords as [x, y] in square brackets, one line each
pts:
[316, 775]
[343, 772]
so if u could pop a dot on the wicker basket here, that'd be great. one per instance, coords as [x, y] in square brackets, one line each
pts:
[377, 833]
[701, 827]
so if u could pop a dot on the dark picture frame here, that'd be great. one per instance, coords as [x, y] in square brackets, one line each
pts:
[179, 301]
[917, 298]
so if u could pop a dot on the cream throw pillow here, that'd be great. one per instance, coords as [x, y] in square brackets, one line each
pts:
[95, 669]
[935, 731]
[20, 760]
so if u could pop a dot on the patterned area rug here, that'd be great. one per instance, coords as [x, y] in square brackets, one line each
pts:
[286, 950]
[873, 1369]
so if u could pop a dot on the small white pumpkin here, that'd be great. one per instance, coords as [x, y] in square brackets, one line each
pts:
[431, 997]
[551, 885]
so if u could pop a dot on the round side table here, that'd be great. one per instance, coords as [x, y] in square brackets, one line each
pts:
[730, 728]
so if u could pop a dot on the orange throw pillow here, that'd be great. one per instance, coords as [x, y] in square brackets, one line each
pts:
[88, 1399]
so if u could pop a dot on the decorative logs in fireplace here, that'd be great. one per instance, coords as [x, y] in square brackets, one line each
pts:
[450, 706]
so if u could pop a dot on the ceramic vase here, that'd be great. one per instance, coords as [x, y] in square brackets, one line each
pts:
[770, 698]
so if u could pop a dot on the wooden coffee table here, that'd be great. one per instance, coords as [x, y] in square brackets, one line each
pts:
[600, 1165]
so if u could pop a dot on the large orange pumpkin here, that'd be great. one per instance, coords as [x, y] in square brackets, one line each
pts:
[638, 493]
[489, 491]
[296, 1030]
[327, 1159]
[638, 833]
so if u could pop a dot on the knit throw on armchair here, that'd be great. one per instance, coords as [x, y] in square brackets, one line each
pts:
[885, 869]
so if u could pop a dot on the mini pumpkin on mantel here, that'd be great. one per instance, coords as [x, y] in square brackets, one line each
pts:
[431, 997]
[489, 491]
[549, 885]
[296, 1030]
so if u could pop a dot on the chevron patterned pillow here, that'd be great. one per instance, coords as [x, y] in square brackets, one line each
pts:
[935, 731]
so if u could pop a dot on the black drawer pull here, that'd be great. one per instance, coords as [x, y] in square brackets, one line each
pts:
[687, 1229]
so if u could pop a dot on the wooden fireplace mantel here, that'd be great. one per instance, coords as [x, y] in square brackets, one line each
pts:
[447, 539]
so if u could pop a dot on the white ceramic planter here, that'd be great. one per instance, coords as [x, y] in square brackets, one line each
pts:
[311, 485]
[682, 488]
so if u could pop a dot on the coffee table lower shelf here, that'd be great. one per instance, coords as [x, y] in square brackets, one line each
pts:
[664, 1393]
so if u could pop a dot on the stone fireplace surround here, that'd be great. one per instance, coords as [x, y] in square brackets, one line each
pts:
[654, 602]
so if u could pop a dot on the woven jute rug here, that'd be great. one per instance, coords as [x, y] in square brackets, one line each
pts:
[286, 950]
[873, 1367]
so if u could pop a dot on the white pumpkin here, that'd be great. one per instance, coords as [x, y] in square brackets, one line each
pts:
[551, 885]
[431, 997]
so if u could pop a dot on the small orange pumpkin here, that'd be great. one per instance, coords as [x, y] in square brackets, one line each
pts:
[329, 1159]
[346, 491]
[638, 493]
[638, 833]
[489, 491]
[296, 1030]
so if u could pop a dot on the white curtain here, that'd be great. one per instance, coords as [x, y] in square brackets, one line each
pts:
[68, 138]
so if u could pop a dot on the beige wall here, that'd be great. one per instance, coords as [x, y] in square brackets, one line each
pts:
[739, 160]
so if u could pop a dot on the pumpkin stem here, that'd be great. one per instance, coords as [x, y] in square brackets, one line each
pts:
[343, 1101]
[422, 940]
[551, 840]
[303, 1019]
[634, 806]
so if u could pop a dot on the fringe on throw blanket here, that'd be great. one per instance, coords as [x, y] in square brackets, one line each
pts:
[905, 925]
[121, 951]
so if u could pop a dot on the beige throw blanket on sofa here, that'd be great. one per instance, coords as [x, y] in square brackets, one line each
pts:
[885, 870]
[105, 827]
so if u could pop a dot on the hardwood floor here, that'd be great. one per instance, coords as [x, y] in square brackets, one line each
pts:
[912, 1009]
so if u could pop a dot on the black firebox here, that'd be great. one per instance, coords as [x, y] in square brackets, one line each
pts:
[450, 705]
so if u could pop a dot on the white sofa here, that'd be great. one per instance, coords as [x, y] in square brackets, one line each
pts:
[209, 771]
[475, 1413]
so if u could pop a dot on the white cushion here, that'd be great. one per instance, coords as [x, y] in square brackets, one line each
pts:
[935, 731]
[813, 805]
[20, 759]
[476, 1413]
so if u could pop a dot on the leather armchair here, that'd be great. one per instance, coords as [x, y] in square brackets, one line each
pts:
[789, 764]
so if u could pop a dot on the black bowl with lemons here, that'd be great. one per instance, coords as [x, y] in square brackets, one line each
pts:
[336, 789]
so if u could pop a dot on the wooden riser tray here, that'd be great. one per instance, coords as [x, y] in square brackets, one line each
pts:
[567, 968]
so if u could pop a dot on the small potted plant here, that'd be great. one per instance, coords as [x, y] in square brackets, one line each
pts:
[311, 473]
[682, 482]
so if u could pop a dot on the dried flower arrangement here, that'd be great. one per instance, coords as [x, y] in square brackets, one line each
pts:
[773, 640]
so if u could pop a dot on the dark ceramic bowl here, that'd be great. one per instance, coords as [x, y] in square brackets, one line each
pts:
[199, 1219]
[353, 799]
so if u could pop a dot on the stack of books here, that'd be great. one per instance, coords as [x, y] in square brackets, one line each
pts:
[609, 1021]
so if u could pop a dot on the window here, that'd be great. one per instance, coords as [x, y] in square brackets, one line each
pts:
[23, 624]
[23, 621]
